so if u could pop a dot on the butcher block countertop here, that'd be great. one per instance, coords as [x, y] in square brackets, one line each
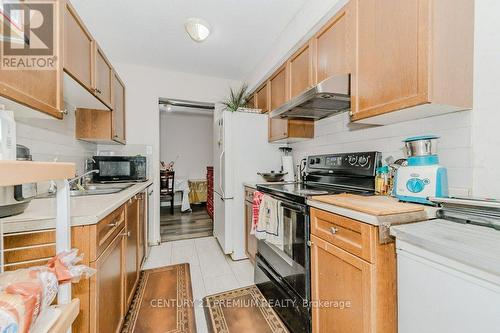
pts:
[375, 210]
[373, 205]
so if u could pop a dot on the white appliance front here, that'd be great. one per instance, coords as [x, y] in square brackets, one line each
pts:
[241, 149]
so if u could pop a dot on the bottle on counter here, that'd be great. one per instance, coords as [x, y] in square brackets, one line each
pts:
[382, 181]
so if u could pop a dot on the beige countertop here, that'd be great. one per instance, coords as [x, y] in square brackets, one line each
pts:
[85, 210]
[472, 245]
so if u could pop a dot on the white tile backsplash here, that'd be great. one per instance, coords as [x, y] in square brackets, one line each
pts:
[49, 138]
[336, 135]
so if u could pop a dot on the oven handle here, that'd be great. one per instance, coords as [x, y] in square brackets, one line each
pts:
[295, 207]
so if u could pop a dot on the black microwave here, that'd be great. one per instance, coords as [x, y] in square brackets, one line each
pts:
[119, 169]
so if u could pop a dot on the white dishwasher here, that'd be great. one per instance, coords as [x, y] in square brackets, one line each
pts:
[438, 295]
[449, 270]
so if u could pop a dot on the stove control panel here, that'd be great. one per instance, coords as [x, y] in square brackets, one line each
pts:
[349, 163]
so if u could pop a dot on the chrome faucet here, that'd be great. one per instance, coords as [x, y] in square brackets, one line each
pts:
[82, 179]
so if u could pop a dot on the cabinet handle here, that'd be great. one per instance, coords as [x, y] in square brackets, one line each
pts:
[125, 234]
[334, 230]
[112, 224]
[310, 243]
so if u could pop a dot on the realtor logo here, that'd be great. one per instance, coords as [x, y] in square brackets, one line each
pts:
[28, 35]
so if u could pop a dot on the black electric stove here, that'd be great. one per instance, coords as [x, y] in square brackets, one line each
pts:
[283, 273]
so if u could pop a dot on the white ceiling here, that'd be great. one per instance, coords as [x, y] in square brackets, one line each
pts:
[152, 32]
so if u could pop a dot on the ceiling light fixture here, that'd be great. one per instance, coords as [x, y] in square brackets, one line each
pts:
[197, 29]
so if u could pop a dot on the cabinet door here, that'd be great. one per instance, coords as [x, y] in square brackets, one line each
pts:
[103, 76]
[250, 240]
[340, 290]
[107, 288]
[300, 69]
[141, 252]
[78, 48]
[278, 128]
[131, 255]
[262, 98]
[118, 113]
[392, 56]
[335, 45]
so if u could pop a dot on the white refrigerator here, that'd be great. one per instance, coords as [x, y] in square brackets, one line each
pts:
[241, 149]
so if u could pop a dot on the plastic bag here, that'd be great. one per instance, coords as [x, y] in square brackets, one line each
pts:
[26, 293]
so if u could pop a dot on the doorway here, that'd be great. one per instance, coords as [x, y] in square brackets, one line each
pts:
[186, 154]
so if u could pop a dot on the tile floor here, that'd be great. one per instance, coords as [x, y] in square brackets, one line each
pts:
[211, 271]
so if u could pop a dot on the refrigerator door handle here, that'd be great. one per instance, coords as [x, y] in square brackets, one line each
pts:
[223, 195]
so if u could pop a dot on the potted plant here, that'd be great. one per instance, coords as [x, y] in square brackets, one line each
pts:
[238, 100]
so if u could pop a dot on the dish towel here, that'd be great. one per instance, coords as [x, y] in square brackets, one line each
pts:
[257, 199]
[269, 224]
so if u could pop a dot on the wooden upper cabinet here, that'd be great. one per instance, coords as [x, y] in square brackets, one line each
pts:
[118, 113]
[413, 53]
[334, 44]
[78, 48]
[37, 89]
[284, 130]
[262, 98]
[278, 88]
[103, 76]
[300, 70]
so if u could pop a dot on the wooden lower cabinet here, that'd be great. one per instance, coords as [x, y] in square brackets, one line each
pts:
[113, 246]
[107, 306]
[250, 240]
[349, 293]
[132, 255]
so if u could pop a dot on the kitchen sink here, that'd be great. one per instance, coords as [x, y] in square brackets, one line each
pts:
[92, 189]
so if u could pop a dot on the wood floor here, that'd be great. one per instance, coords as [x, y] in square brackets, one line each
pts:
[185, 225]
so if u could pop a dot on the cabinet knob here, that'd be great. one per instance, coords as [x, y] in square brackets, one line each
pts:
[334, 230]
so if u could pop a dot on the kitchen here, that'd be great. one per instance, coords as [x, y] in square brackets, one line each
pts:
[416, 68]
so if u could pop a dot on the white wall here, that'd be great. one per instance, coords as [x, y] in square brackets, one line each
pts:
[144, 85]
[486, 115]
[337, 135]
[49, 138]
[187, 140]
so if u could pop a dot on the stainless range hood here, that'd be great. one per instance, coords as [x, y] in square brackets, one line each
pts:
[327, 98]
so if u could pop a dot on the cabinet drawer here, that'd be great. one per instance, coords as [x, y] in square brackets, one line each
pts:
[350, 235]
[107, 229]
[23, 239]
[29, 253]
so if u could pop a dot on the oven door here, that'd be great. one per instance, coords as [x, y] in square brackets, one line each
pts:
[284, 301]
[291, 262]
